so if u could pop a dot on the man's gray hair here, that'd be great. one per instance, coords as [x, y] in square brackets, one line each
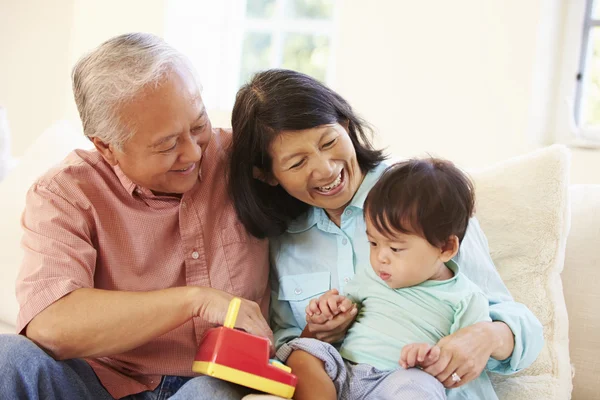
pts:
[115, 72]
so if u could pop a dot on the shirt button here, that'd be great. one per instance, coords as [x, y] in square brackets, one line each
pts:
[345, 241]
[348, 212]
[183, 204]
[346, 280]
[195, 255]
[297, 290]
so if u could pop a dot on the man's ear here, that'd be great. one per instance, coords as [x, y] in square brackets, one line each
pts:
[259, 174]
[107, 151]
[449, 249]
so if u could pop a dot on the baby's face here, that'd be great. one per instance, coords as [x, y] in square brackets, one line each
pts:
[403, 260]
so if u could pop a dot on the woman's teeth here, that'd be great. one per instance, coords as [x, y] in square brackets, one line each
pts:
[333, 185]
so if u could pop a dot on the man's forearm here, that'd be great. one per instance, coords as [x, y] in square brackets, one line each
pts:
[97, 323]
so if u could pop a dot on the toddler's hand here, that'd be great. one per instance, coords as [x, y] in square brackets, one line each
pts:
[329, 305]
[419, 355]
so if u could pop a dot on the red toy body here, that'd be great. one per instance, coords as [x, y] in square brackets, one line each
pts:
[242, 358]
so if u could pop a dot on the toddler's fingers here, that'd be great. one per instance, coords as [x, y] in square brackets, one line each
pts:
[332, 302]
[324, 307]
[345, 304]
[411, 358]
[404, 356]
[312, 308]
[422, 352]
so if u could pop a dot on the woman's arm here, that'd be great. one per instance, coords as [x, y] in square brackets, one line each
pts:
[512, 351]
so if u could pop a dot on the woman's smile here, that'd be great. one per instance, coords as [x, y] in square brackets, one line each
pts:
[334, 187]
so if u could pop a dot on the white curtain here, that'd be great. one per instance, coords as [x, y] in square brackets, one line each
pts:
[6, 160]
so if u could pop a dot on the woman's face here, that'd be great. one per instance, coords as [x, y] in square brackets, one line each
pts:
[317, 166]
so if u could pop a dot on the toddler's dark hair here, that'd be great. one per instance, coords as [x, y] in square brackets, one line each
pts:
[428, 197]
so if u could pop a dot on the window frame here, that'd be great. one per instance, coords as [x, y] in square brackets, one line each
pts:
[582, 78]
[225, 79]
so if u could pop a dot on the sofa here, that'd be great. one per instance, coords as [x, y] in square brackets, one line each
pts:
[542, 234]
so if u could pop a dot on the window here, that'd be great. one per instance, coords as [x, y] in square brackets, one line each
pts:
[230, 40]
[587, 96]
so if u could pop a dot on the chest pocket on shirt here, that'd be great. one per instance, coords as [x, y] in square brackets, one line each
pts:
[298, 290]
[247, 260]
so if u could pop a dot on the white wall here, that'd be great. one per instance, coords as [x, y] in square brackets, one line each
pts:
[40, 41]
[474, 81]
[457, 79]
[34, 67]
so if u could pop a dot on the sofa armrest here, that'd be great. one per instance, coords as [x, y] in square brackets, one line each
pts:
[581, 277]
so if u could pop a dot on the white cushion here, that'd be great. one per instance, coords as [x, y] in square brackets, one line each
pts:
[49, 149]
[523, 208]
[581, 277]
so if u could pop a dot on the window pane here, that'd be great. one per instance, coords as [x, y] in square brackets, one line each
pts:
[596, 10]
[256, 53]
[591, 91]
[260, 8]
[306, 53]
[313, 9]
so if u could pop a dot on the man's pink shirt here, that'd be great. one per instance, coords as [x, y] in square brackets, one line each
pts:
[88, 226]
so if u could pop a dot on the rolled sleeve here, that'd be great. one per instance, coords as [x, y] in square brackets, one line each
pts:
[528, 334]
[58, 253]
[476, 262]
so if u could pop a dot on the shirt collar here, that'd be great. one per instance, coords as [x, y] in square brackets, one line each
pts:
[129, 186]
[133, 189]
[316, 214]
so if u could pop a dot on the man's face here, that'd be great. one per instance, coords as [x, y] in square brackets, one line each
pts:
[172, 131]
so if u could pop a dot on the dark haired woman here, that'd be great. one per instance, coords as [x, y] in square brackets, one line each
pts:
[301, 167]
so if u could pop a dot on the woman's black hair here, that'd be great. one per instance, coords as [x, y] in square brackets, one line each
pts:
[273, 101]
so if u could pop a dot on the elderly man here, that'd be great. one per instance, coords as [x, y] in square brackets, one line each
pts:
[133, 250]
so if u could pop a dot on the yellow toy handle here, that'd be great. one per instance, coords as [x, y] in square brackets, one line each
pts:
[232, 312]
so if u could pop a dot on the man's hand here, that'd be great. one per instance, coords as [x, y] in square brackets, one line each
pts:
[417, 354]
[330, 330]
[213, 305]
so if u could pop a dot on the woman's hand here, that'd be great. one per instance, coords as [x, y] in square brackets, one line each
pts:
[465, 352]
[327, 328]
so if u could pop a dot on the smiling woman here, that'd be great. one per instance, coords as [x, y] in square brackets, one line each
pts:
[306, 149]
[301, 167]
[317, 166]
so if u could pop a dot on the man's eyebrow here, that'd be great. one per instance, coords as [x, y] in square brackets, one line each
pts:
[201, 114]
[174, 135]
[164, 139]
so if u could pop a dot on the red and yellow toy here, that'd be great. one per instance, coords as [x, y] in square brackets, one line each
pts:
[242, 358]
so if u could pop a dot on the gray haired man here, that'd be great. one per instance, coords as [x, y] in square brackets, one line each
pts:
[134, 249]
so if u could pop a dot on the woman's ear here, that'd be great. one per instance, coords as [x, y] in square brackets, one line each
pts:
[259, 174]
[346, 124]
[449, 249]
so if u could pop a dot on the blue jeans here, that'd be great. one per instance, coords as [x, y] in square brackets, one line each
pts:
[27, 372]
